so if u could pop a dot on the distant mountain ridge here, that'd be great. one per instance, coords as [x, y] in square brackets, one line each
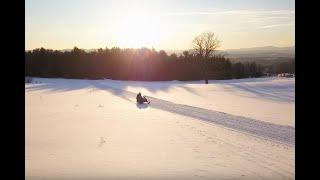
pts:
[265, 52]
[263, 48]
[261, 52]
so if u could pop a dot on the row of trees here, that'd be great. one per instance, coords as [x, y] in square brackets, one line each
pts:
[133, 64]
[281, 67]
[272, 66]
[139, 64]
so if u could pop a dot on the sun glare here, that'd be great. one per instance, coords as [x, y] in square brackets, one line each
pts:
[138, 30]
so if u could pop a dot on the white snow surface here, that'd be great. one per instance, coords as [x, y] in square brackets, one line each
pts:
[227, 129]
[268, 99]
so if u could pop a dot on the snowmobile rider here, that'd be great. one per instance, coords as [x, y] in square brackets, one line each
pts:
[141, 99]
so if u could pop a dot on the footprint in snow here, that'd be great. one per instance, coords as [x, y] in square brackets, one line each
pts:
[100, 106]
[102, 142]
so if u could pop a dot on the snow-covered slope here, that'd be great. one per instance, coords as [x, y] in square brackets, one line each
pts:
[86, 129]
[267, 99]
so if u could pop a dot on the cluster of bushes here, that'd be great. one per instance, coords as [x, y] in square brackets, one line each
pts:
[281, 67]
[271, 66]
[132, 64]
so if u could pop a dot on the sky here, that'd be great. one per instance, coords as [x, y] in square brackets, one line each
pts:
[165, 24]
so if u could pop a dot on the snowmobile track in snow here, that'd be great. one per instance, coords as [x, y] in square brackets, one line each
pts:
[276, 132]
[281, 133]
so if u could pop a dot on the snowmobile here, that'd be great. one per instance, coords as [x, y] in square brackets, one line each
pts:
[141, 99]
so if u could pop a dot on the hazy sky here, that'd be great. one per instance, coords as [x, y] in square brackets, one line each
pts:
[165, 24]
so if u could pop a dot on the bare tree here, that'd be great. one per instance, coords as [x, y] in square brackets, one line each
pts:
[204, 47]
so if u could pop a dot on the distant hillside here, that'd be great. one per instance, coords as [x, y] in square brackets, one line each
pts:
[267, 52]
[255, 53]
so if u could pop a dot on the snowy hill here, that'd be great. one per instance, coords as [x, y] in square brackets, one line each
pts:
[93, 129]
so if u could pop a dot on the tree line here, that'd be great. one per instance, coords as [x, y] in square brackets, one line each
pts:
[280, 67]
[133, 64]
[271, 66]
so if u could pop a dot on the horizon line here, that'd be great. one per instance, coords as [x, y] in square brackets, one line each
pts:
[155, 48]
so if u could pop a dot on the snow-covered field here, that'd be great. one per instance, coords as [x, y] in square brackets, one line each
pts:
[93, 129]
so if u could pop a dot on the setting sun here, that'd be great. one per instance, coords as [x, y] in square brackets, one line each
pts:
[162, 25]
[137, 30]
